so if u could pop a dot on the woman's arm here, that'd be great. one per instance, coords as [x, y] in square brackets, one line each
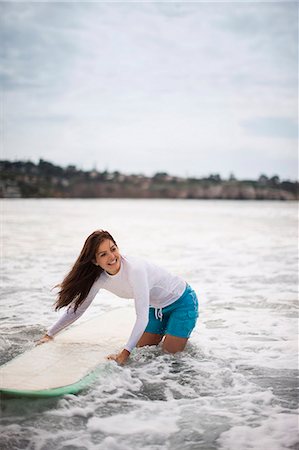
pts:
[140, 286]
[139, 280]
[70, 316]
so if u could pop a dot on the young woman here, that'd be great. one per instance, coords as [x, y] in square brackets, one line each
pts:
[166, 306]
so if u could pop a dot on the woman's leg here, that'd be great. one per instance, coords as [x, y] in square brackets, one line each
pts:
[182, 320]
[171, 344]
[174, 344]
[149, 339]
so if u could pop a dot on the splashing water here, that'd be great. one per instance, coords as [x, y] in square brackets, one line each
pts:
[234, 388]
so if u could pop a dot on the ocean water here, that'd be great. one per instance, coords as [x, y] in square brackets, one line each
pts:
[236, 385]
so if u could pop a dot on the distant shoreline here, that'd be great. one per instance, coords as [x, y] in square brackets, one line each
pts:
[24, 179]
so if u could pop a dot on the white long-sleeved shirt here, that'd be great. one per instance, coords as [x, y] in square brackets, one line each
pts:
[146, 283]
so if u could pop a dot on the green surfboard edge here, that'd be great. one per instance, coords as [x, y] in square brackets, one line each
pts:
[55, 392]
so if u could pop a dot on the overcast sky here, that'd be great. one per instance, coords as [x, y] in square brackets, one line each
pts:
[190, 88]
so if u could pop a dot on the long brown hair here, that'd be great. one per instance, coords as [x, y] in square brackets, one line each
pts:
[77, 284]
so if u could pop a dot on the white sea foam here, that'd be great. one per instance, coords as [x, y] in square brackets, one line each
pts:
[142, 421]
[110, 443]
[279, 432]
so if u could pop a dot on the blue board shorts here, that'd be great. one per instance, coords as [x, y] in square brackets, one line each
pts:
[177, 319]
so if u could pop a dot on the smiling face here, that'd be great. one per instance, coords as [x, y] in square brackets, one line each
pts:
[108, 257]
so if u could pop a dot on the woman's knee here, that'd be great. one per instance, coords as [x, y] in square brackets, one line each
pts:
[149, 339]
[174, 344]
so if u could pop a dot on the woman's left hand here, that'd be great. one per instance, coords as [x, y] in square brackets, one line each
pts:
[121, 357]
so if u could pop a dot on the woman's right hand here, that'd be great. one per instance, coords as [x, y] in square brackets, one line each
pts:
[45, 338]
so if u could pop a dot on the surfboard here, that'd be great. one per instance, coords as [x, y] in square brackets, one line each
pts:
[71, 361]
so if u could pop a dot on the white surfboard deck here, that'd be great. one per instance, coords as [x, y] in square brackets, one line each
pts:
[69, 362]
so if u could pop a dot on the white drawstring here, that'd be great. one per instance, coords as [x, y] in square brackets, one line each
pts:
[158, 314]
